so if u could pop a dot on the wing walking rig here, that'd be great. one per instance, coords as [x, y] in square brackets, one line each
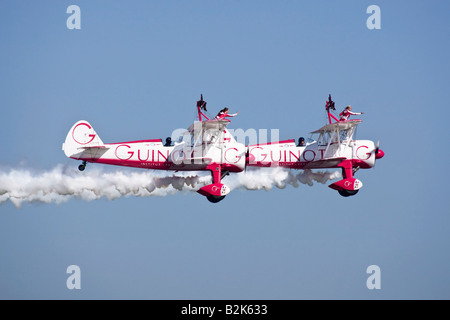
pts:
[208, 146]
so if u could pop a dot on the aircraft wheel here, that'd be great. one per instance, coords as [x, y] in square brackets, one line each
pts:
[215, 199]
[82, 166]
[348, 193]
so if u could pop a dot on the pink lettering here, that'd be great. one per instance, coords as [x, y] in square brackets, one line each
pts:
[120, 154]
[78, 136]
[367, 154]
[256, 158]
[321, 153]
[310, 159]
[291, 154]
[139, 155]
[235, 156]
[271, 157]
[163, 156]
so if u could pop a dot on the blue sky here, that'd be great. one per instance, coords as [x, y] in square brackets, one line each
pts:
[135, 69]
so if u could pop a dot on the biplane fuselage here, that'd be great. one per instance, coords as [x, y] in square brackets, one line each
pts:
[83, 143]
[208, 145]
[314, 156]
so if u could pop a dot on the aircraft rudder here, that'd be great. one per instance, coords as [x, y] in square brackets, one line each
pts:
[80, 136]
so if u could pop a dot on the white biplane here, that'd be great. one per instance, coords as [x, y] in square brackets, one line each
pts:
[208, 146]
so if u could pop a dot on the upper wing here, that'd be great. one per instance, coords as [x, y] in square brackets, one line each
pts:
[209, 125]
[342, 125]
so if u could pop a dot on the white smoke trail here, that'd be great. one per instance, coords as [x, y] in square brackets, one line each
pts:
[267, 178]
[63, 183]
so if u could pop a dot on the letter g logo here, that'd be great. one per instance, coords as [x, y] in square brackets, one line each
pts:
[83, 133]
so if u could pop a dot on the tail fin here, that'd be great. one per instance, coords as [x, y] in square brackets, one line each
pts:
[82, 136]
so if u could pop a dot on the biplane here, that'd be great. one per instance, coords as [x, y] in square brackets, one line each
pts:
[207, 145]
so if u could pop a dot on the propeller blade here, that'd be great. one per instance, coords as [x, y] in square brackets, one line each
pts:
[378, 152]
[376, 149]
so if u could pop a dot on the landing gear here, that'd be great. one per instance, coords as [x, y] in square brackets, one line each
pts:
[216, 191]
[215, 199]
[82, 166]
[349, 186]
[347, 193]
